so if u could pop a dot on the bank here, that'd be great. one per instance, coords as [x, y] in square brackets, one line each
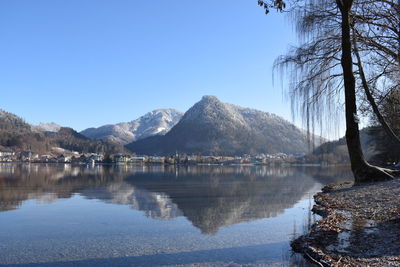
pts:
[360, 226]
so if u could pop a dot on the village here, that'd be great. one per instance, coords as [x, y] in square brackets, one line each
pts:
[74, 157]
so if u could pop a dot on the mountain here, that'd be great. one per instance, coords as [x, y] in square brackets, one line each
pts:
[10, 122]
[47, 127]
[157, 122]
[212, 127]
[17, 135]
[70, 139]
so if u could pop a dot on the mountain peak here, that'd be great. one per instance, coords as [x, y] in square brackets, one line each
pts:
[211, 110]
[156, 122]
[212, 127]
[48, 127]
[166, 114]
[209, 98]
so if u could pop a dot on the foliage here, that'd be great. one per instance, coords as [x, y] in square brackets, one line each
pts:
[278, 4]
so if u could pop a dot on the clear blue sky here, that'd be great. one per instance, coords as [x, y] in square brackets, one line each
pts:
[85, 63]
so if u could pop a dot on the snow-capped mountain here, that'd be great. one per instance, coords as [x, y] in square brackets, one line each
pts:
[213, 127]
[48, 127]
[156, 122]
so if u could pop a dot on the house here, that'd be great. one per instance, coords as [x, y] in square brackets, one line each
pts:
[7, 155]
[45, 158]
[29, 156]
[139, 160]
[61, 159]
[95, 158]
[156, 160]
[122, 158]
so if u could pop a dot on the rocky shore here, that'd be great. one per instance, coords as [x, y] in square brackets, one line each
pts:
[360, 226]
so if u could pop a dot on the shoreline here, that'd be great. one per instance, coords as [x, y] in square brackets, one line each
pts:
[360, 226]
[279, 164]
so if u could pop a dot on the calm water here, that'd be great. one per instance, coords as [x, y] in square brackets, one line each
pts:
[61, 215]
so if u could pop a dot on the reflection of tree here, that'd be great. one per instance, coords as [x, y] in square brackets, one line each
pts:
[210, 197]
[330, 175]
[20, 182]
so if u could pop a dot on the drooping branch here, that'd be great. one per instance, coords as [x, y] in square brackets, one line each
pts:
[315, 78]
[371, 100]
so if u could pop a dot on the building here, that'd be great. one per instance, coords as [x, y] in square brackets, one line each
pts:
[138, 160]
[7, 155]
[122, 158]
[29, 156]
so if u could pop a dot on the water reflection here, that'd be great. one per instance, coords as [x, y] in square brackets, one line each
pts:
[210, 197]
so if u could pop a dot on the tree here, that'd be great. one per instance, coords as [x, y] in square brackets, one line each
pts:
[278, 4]
[320, 80]
[362, 171]
[391, 112]
[316, 63]
[375, 31]
[379, 116]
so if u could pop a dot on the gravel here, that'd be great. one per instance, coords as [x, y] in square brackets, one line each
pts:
[360, 226]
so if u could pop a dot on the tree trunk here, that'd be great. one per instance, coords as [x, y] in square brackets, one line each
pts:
[363, 172]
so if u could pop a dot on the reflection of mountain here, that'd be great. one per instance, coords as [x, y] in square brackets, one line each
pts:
[213, 198]
[155, 205]
[210, 197]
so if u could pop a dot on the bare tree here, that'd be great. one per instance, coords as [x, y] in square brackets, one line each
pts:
[323, 67]
[365, 84]
[363, 172]
[376, 39]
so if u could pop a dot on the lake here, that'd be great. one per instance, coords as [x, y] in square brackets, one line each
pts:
[63, 215]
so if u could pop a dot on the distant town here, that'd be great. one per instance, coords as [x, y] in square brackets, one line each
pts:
[122, 159]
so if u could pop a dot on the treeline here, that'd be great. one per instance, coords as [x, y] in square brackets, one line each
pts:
[17, 135]
[68, 138]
